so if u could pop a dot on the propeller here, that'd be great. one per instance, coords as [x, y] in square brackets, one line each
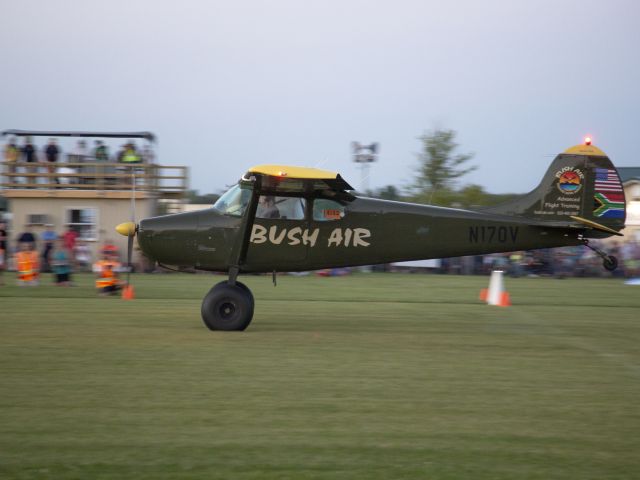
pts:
[129, 229]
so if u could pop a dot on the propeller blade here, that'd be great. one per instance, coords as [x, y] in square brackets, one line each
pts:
[133, 220]
[133, 196]
[129, 251]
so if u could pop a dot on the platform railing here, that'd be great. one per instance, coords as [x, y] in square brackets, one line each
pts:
[93, 175]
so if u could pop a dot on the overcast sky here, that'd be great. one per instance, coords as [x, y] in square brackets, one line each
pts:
[226, 85]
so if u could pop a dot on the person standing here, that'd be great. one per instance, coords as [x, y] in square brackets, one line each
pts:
[51, 153]
[61, 264]
[28, 237]
[48, 239]
[147, 155]
[27, 265]
[106, 270]
[131, 154]
[80, 152]
[78, 156]
[11, 156]
[101, 152]
[29, 155]
[70, 237]
[101, 156]
[3, 250]
[82, 256]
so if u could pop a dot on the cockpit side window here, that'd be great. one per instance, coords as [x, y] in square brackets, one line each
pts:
[325, 210]
[234, 201]
[290, 208]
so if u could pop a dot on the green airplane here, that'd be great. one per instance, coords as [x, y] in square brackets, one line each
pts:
[285, 219]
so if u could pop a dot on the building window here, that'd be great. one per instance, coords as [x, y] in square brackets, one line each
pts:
[37, 219]
[633, 214]
[84, 221]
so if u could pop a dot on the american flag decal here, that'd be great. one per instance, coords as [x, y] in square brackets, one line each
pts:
[608, 195]
[607, 180]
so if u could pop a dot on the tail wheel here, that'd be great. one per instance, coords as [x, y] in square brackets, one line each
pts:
[228, 307]
[610, 263]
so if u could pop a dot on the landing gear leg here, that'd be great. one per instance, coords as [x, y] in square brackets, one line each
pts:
[609, 262]
[228, 307]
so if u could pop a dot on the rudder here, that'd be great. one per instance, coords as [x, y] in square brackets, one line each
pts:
[581, 182]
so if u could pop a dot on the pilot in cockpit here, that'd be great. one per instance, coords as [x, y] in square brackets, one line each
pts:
[267, 207]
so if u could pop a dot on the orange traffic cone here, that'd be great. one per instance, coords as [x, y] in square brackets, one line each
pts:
[496, 294]
[128, 293]
[505, 300]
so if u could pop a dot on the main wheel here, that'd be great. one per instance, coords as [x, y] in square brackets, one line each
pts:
[610, 263]
[228, 307]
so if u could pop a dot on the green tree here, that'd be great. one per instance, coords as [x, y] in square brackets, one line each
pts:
[471, 196]
[440, 166]
[390, 192]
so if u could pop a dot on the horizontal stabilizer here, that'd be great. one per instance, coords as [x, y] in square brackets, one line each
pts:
[596, 226]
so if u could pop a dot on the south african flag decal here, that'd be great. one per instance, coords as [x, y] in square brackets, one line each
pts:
[608, 196]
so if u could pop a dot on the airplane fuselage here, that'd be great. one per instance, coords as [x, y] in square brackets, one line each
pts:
[369, 231]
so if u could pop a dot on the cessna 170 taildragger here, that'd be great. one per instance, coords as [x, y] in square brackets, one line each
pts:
[282, 218]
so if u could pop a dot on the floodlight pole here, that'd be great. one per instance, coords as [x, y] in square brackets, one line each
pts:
[364, 155]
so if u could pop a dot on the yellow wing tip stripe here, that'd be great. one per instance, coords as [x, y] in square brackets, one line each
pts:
[591, 150]
[595, 225]
[288, 171]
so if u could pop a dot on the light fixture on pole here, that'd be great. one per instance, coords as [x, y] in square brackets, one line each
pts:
[364, 155]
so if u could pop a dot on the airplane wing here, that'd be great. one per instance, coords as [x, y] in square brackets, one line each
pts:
[297, 179]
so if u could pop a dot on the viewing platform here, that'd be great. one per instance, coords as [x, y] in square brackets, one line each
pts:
[91, 179]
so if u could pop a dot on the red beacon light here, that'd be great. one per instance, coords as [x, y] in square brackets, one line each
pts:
[587, 140]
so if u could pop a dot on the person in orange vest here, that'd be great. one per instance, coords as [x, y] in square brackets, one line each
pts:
[106, 270]
[27, 265]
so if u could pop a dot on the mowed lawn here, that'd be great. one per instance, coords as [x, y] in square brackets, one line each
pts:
[372, 376]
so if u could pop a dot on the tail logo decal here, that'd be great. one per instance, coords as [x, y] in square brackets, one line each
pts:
[608, 196]
[570, 180]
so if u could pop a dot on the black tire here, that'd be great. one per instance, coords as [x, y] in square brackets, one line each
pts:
[610, 263]
[228, 307]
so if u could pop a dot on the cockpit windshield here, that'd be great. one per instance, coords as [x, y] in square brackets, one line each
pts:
[234, 201]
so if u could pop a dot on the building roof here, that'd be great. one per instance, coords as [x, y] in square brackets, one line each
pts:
[33, 133]
[629, 173]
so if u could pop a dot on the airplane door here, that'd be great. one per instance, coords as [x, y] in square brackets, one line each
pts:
[280, 233]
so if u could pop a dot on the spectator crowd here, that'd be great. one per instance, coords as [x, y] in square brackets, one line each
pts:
[25, 164]
[562, 262]
[60, 255]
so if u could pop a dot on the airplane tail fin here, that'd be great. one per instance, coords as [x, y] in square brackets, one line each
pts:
[581, 185]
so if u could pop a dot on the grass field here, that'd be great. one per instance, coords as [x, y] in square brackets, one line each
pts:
[364, 377]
